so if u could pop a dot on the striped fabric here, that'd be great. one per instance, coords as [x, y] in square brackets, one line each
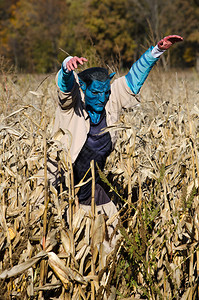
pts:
[140, 70]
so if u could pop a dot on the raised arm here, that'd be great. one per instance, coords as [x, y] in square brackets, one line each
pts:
[141, 68]
[65, 76]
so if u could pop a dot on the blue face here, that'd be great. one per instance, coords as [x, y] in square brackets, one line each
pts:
[97, 95]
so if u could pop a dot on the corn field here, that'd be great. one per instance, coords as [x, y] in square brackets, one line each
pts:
[152, 177]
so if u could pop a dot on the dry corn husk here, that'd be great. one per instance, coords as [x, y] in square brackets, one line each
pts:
[156, 154]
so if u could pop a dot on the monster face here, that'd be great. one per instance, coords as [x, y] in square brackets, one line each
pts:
[95, 83]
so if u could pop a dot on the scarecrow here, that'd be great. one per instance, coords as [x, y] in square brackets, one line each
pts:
[87, 103]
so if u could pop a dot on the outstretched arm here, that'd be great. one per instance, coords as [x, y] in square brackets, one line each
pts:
[65, 75]
[141, 68]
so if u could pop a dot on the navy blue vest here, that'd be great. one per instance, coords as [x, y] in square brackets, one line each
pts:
[97, 147]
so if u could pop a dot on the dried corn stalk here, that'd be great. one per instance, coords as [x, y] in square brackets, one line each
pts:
[156, 156]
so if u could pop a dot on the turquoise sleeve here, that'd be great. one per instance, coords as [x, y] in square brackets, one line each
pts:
[140, 70]
[65, 80]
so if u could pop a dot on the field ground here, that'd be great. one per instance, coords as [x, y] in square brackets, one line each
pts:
[152, 175]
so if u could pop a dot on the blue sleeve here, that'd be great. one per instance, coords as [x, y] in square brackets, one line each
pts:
[140, 70]
[65, 80]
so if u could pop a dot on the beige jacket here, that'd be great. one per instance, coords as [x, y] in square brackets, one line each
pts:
[72, 116]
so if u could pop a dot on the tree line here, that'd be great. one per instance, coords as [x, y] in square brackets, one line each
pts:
[36, 35]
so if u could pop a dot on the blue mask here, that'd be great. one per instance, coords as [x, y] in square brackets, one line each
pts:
[96, 97]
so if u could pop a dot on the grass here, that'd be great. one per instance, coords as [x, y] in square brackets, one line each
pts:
[152, 175]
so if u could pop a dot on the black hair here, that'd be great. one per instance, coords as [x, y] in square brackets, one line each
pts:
[96, 73]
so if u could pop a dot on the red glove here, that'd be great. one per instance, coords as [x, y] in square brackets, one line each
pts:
[168, 41]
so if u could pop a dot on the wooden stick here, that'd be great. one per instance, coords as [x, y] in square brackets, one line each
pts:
[45, 191]
[93, 189]
[71, 195]
[27, 209]
[46, 200]
[92, 227]
[59, 170]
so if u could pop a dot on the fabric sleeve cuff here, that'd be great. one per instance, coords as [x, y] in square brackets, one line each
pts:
[64, 64]
[156, 52]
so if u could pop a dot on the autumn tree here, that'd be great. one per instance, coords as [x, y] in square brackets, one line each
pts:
[72, 39]
[191, 33]
[125, 28]
[33, 32]
[111, 28]
[181, 17]
[5, 14]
